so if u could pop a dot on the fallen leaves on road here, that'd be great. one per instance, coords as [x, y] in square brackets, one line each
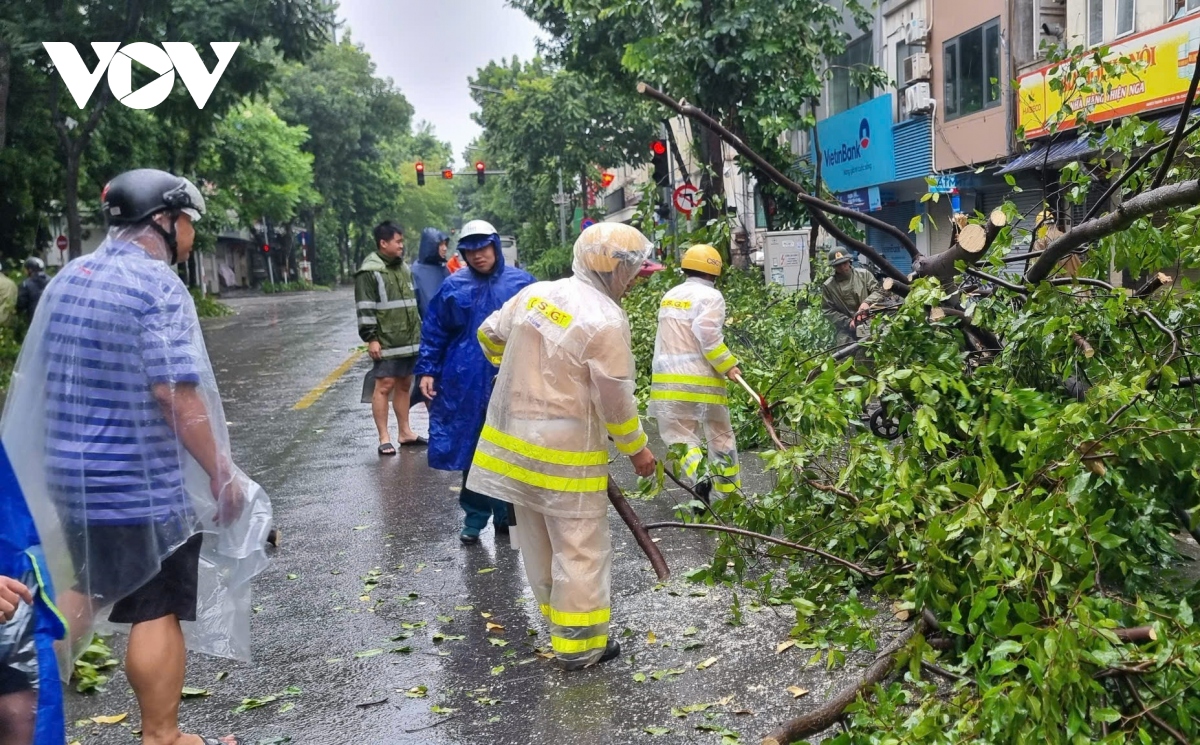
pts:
[189, 692]
[367, 653]
[497, 642]
[439, 637]
[497, 669]
[113, 719]
[660, 674]
[651, 638]
[486, 570]
[782, 647]
[690, 631]
[707, 663]
[494, 626]
[797, 691]
[417, 692]
[441, 709]
[656, 731]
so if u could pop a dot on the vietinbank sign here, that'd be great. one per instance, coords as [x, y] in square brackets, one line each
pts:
[166, 60]
[857, 146]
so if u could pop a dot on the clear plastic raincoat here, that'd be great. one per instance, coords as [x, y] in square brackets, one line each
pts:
[118, 438]
[687, 389]
[566, 383]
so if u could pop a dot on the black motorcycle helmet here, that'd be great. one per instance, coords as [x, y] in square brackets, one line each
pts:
[136, 196]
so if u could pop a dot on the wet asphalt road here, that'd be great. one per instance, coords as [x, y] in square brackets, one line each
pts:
[371, 569]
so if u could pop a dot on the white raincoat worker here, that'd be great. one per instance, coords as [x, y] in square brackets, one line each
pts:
[118, 440]
[687, 388]
[566, 384]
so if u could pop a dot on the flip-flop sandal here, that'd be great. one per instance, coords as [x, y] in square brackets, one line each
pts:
[419, 442]
[226, 740]
[387, 448]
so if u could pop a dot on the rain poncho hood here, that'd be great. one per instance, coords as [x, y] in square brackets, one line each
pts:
[608, 257]
[429, 270]
[566, 383]
[113, 376]
[27, 641]
[450, 353]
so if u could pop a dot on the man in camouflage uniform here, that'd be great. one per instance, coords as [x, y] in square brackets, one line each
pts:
[847, 295]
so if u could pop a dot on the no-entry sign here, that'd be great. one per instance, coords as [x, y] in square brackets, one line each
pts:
[61, 243]
[685, 199]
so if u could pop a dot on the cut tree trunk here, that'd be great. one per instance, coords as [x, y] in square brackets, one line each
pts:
[640, 533]
[971, 245]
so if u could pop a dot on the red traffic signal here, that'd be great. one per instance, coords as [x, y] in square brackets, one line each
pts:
[606, 179]
[659, 167]
[480, 171]
[447, 173]
[420, 173]
[266, 248]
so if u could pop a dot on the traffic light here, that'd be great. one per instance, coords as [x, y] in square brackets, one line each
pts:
[447, 173]
[420, 173]
[658, 161]
[266, 247]
[480, 171]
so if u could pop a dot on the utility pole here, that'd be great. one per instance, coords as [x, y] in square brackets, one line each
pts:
[561, 201]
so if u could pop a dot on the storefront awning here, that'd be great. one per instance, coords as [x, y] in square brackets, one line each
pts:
[1051, 154]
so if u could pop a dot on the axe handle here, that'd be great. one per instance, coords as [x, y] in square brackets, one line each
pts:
[640, 534]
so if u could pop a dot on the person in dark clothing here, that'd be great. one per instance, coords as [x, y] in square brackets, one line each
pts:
[430, 270]
[30, 291]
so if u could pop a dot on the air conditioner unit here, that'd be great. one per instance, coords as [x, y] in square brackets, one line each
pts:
[917, 67]
[917, 99]
[916, 31]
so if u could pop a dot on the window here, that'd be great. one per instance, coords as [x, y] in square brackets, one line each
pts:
[1095, 25]
[903, 52]
[843, 93]
[1192, 5]
[972, 71]
[1125, 15]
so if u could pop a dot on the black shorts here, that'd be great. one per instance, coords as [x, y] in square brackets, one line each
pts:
[117, 554]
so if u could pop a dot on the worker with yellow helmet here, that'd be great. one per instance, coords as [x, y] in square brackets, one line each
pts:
[566, 384]
[687, 393]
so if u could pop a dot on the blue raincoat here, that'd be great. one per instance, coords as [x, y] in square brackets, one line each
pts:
[22, 559]
[429, 270]
[450, 353]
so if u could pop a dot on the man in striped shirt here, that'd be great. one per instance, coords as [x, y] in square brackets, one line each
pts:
[128, 396]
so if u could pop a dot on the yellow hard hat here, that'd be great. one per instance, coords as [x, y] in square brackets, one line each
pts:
[703, 258]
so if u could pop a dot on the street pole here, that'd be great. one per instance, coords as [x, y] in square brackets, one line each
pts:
[270, 268]
[562, 211]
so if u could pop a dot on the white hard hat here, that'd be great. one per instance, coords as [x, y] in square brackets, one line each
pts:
[476, 227]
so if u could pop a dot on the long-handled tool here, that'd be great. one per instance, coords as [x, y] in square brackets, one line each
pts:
[640, 534]
[764, 411]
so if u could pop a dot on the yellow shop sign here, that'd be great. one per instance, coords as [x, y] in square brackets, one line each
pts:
[1169, 53]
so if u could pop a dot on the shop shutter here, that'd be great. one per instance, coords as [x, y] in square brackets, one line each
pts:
[900, 215]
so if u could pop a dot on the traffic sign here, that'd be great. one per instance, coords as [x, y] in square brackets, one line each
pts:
[586, 223]
[685, 199]
[61, 243]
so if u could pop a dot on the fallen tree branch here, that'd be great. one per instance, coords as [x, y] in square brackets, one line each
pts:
[1156, 200]
[1149, 712]
[996, 280]
[1061, 281]
[685, 109]
[971, 245]
[828, 714]
[865, 249]
[1136, 635]
[1158, 280]
[1134, 168]
[640, 532]
[1084, 346]
[868, 573]
[897, 287]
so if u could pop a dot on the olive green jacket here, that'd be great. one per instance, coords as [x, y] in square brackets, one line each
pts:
[840, 300]
[387, 306]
